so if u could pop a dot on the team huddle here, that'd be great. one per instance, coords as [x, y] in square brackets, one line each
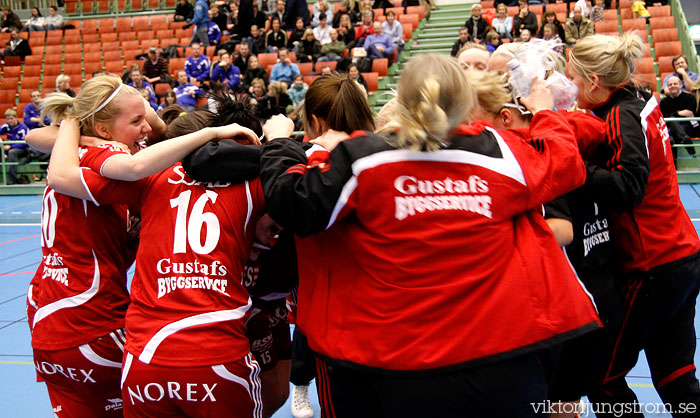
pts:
[470, 255]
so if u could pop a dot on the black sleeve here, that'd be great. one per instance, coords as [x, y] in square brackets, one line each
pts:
[558, 208]
[621, 184]
[225, 160]
[299, 198]
[531, 23]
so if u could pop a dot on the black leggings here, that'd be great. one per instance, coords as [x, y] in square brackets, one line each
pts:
[510, 388]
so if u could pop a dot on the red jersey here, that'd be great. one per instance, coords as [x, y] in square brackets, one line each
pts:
[79, 290]
[431, 259]
[637, 180]
[188, 305]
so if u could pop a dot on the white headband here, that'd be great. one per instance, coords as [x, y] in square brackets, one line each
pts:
[105, 103]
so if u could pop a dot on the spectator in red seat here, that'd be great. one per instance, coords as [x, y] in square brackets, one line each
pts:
[16, 131]
[254, 71]
[476, 24]
[346, 32]
[393, 28]
[550, 17]
[333, 50]
[577, 27]
[36, 21]
[687, 77]
[184, 11]
[197, 65]
[276, 37]
[155, 69]
[9, 20]
[379, 45]
[309, 49]
[525, 19]
[32, 112]
[16, 46]
[296, 35]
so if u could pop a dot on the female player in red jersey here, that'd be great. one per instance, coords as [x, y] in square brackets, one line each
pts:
[436, 281]
[634, 177]
[186, 350]
[79, 293]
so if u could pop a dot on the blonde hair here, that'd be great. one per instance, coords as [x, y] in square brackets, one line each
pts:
[468, 46]
[60, 79]
[429, 107]
[492, 90]
[611, 58]
[92, 95]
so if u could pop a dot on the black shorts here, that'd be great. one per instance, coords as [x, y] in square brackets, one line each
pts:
[268, 333]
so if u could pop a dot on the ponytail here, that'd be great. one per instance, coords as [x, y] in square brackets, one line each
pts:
[57, 106]
[611, 58]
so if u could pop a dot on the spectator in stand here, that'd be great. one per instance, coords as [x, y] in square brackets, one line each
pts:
[379, 45]
[259, 19]
[295, 9]
[297, 34]
[274, 102]
[365, 29]
[15, 131]
[476, 25]
[550, 34]
[597, 12]
[393, 28]
[322, 31]
[155, 69]
[254, 71]
[279, 14]
[213, 32]
[346, 32]
[169, 99]
[186, 93]
[577, 27]
[333, 50]
[200, 22]
[550, 17]
[285, 69]
[680, 104]
[9, 20]
[326, 70]
[184, 12]
[525, 35]
[219, 18]
[525, 19]
[638, 10]
[356, 76]
[344, 10]
[461, 42]
[298, 90]
[257, 91]
[139, 83]
[473, 56]
[688, 78]
[656, 3]
[276, 37]
[493, 41]
[35, 22]
[227, 73]
[502, 22]
[16, 46]
[197, 65]
[321, 7]
[256, 41]
[509, 3]
[242, 59]
[146, 96]
[32, 112]
[309, 49]
[54, 20]
[63, 85]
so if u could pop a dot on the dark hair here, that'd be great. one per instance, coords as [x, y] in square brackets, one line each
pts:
[322, 16]
[390, 12]
[54, 8]
[170, 113]
[676, 58]
[228, 112]
[340, 101]
[38, 12]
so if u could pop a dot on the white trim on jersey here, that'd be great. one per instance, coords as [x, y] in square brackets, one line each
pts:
[648, 108]
[507, 165]
[30, 298]
[105, 162]
[255, 380]
[583, 286]
[115, 338]
[314, 148]
[73, 301]
[127, 366]
[90, 354]
[87, 189]
[222, 371]
[191, 321]
[250, 206]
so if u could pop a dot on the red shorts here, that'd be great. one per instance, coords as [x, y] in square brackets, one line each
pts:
[224, 390]
[268, 333]
[84, 381]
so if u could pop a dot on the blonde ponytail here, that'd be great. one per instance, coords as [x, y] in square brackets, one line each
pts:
[427, 109]
[611, 58]
[57, 106]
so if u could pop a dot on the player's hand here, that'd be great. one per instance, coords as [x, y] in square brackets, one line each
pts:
[278, 126]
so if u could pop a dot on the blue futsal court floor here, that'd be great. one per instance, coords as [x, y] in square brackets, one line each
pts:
[20, 253]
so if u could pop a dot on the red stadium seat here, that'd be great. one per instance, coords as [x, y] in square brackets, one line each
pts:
[110, 46]
[629, 24]
[123, 24]
[72, 48]
[146, 35]
[626, 14]
[116, 67]
[165, 34]
[606, 27]
[309, 79]
[407, 32]
[72, 69]
[90, 67]
[321, 64]
[52, 61]
[645, 65]
[130, 45]
[141, 23]
[664, 35]
[72, 40]
[130, 55]
[662, 22]
[95, 56]
[659, 11]
[73, 58]
[108, 37]
[668, 49]
[89, 26]
[148, 44]
[91, 38]
[176, 64]
[103, 6]
[112, 56]
[666, 65]
[411, 19]
[53, 69]
[265, 59]
[32, 60]
[159, 22]
[11, 71]
[30, 83]
[372, 80]
[106, 25]
[305, 68]
[380, 66]
[126, 36]
[646, 78]
[419, 10]
[610, 15]
[25, 95]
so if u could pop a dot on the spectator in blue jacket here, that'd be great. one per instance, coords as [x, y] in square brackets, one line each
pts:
[15, 131]
[285, 69]
[197, 65]
[227, 73]
[201, 22]
[139, 83]
[213, 32]
[186, 93]
[379, 45]
[32, 113]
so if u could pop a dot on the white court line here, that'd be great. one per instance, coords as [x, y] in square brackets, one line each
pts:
[16, 213]
[1, 225]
